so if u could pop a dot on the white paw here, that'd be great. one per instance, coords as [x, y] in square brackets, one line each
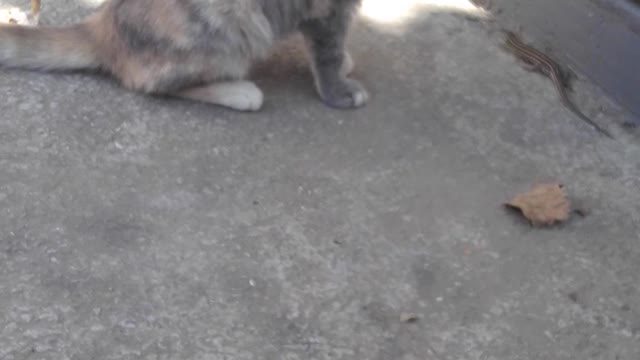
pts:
[360, 98]
[18, 17]
[241, 95]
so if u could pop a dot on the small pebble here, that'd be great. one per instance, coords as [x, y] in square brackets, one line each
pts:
[409, 318]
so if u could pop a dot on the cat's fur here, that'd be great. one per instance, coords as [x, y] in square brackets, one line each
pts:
[194, 49]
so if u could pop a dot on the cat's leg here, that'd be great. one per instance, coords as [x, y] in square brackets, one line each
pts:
[331, 63]
[347, 65]
[239, 95]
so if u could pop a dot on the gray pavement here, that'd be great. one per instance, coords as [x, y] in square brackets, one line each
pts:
[143, 228]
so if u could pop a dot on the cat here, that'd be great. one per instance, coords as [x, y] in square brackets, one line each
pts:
[199, 50]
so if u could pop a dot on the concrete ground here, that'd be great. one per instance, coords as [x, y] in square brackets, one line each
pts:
[144, 228]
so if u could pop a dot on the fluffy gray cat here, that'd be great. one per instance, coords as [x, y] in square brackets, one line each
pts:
[194, 49]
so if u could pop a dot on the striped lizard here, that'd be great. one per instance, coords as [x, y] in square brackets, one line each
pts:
[549, 67]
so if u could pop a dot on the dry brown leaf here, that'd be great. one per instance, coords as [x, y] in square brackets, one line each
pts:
[544, 204]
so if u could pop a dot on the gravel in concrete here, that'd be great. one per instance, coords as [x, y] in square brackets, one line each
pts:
[144, 228]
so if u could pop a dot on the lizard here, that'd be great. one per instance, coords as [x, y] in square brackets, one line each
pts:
[540, 61]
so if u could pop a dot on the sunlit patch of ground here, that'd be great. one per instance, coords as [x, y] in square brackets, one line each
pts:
[400, 11]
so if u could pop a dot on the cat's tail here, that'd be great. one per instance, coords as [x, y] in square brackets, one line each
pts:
[48, 48]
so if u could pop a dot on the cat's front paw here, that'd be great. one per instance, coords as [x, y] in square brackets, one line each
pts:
[345, 94]
[240, 95]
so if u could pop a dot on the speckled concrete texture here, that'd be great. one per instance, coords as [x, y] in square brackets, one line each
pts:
[144, 228]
